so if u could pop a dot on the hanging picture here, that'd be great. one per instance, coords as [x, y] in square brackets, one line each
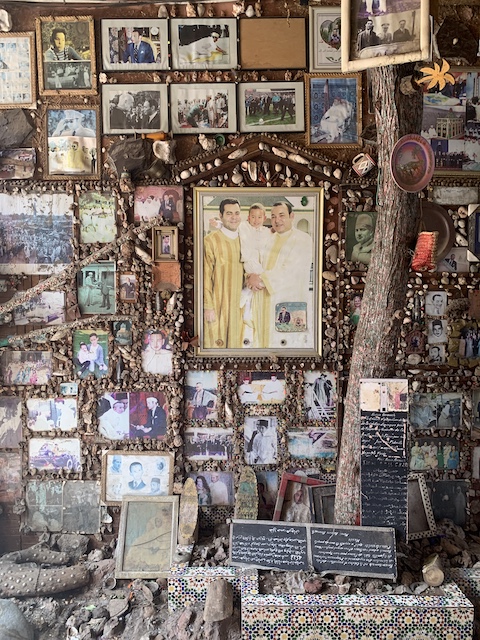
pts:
[47, 308]
[96, 285]
[134, 44]
[17, 71]
[53, 454]
[136, 414]
[271, 106]
[325, 38]
[26, 367]
[97, 212]
[134, 108]
[203, 108]
[10, 422]
[45, 414]
[204, 43]
[158, 200]
[90, 353]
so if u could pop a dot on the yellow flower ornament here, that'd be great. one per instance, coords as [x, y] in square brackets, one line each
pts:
[437, 75]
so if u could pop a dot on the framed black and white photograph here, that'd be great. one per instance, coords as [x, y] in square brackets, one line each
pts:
[47, 308]
[449, 500]
[134, 108]
[209, 443]
[66, 55]
[10, 422]
[436, 331]
[134, 44]
[271, 106]
[436, 354]
[17, 71]
[204, 43]
[359, 235]
[456, 261]
[435, 303]
[203, 108]
[325, 39]
[10, 477]
[260, 440]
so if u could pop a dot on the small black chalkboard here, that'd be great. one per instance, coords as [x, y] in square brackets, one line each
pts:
[384, 496]
[355, 551]
[268, 545]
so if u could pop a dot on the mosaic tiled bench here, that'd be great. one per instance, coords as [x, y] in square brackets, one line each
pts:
[469, 582]
[187, 585]
[352, 617]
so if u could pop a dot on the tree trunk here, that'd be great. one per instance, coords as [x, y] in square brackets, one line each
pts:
[383, 301]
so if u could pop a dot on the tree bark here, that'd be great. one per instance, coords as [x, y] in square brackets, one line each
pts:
[383, 302]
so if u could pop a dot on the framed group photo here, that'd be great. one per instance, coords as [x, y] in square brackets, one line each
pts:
[204, 43]
[240, 239]
[134, 45]
[203, 108]
[375, 34]
[334, 109]
[271, 106]
[134, 108]
[17, 70]
[66, 55]
[325, 39]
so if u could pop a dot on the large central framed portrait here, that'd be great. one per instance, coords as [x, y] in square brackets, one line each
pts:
[258, 271]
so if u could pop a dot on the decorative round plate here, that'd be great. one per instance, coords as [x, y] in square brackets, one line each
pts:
[436, 218]
[412, 163]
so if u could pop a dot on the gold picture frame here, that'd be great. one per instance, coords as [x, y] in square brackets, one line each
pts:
[164, 244]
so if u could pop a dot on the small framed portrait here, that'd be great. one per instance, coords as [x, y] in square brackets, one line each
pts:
[260, 440]
[436, 303]
[147, 537]
[456, 261]
[17, 71]
[434, 453]
[322, 503]
[469, 342]
[201, 390]
[261, 387]
[137, 414]
[214, 488]
[436, 354]
[134, 45]
[437, 331]
[203, 108]
[209, 443]
[47, 308]
[26, 367]
[122, 332]
[293, 504]
[154, 201]
[66, 55]
[157, 352]
[325, 39]
[271, 106]
[355, 308]
[420, 520]
[449, 500]
[415, 342]
[53, 454]
[130, 473]
[128, 287]
[359, 235]
[90, 353]
[97, 213]
[334, 109]
[72, 142]
[96, 287]
[45, 414]
[10, 477]
[449, 410]
[69, 388]
[320, 396]
[43, 226]
[17, 164]
[376, 35]
[134, 108]
[315, 442]
[204, 43]
[164, 243]
[10, 422]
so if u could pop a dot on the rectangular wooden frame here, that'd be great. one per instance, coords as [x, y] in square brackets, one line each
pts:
[324, 56]
[158, 235]
[419, 504]
[134, 456]
[66, 23]
[262, 125]
[152, 530]
[181, 120]
[206, 26]
[12, 78]
[156, 27]
[115, 118]
[318, 501]
[307, 206]
[67, 138]
[282, 490]
[285, 46]
[349, 87]
[388, 53]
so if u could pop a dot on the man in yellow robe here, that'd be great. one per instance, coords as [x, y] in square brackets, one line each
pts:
[285, 278]
[222, 281]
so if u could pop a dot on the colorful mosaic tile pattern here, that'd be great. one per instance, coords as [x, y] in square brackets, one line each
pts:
[187, 585]
[354, 617]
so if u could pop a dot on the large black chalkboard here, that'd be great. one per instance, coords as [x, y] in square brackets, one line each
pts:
[383, 436]
[269, 545]
[384, 501]
[355, 551]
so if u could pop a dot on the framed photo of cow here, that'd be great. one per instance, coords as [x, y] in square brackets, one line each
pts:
[258, 252]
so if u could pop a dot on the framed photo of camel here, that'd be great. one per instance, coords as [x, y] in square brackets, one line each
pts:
[258, 271]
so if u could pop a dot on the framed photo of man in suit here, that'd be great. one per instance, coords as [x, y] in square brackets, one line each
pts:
[134, 44]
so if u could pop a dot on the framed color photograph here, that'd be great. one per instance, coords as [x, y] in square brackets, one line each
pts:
[164, 243]
[271, 106]
[72, 141]
[203, 108]
[214, 488]
[201, 390]
[90, 353]
[204, 43]
[10, 422]
[47, 308]
[147, 537]
[235, 320]
[134, 108]
[134, 45]
[128, 286]
[130, 473]
[137, 414]
[26, 367]
[10, 477]
[325, 39]
[292, 504]
[96, 287]
[156, 200]
[261, 387]
[320, 396]
[17, 71]
[334, 109]
[45, 414]
[17, 164]
[97, 212]
[377, 33]
[53, 454]
[66, 55]
[157, 352]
